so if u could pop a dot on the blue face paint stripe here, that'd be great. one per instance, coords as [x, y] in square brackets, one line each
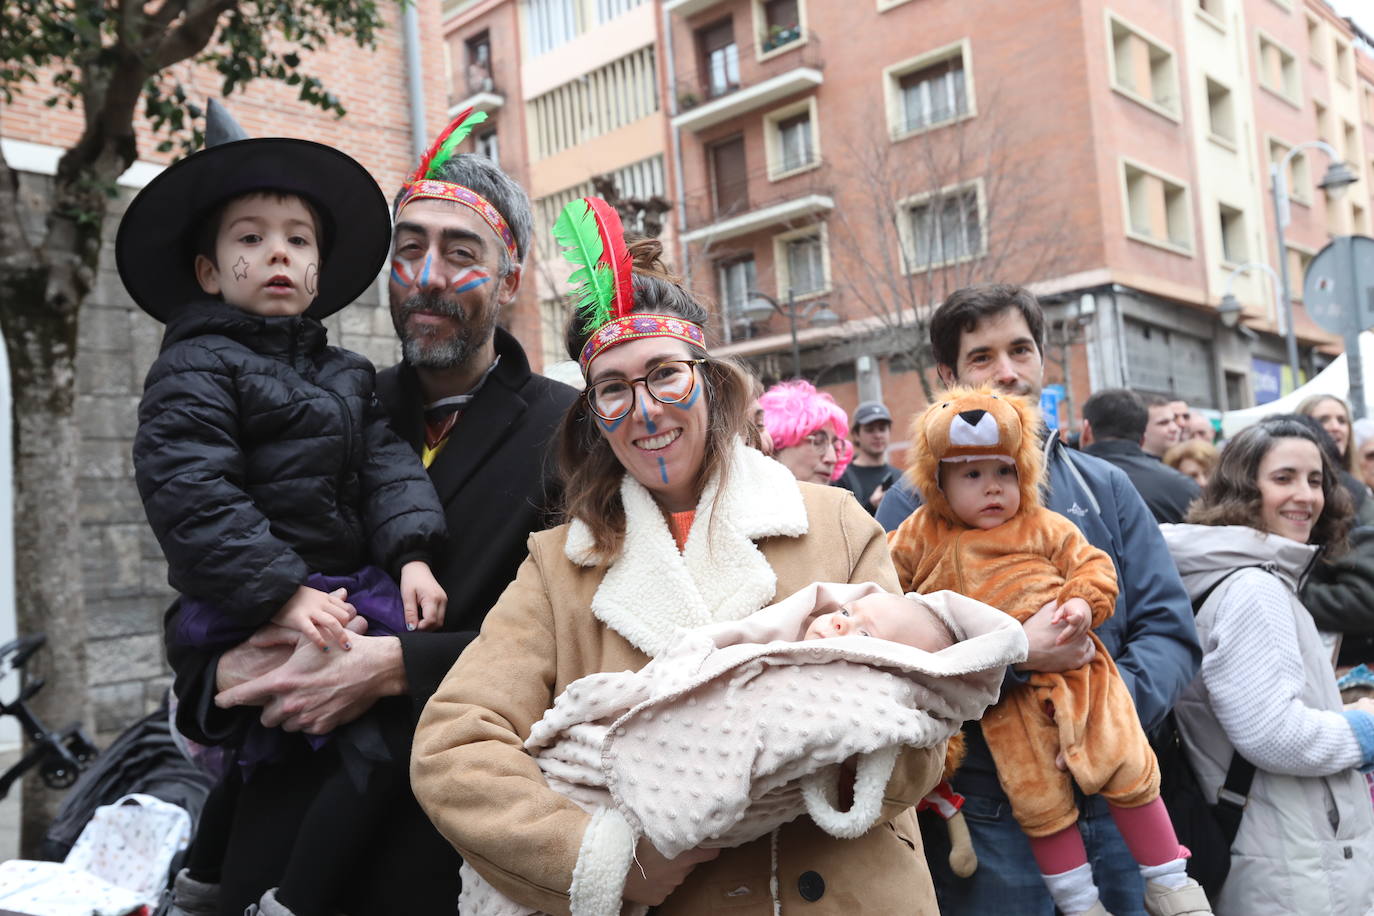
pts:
[686, 405]
[663, 470]
[471, 284]
[610, 426]
[424, 274]
[397, 278]
[648, 424]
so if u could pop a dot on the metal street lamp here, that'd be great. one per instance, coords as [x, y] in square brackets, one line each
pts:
[760, 306]
[1338, 177]
[1230, 309]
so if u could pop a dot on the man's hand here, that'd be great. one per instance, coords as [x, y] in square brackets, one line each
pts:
[269, 647]
[316, 692]
[318, 615]
[423, 597]
[1047, 653]
[652, 878]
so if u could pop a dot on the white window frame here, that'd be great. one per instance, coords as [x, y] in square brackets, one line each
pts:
[781, 268]
[1297, 195]
[1279, 92]
[772, 138]
[1175, 113]
[1166, 244]
[1215, 22]
[885, 5]
[1310, 253]
[1220, 139]
[730, 311]
[892, 90]
[1244, 234]
[1342, 60]
[908, 241]
[761, 23]
[1315, 44]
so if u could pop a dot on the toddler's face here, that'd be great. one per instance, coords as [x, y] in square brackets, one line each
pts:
[982, 493]
[268, 259]
[891, 617]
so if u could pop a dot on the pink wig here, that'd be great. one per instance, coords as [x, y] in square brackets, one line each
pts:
[794, 410]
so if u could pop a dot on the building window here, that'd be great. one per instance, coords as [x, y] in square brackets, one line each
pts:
[1352, 147]
[1221, 117]
[1299, 182]
[606, 10]
[791, 139]
[477, 52]
[1143, 69]
[729, 176]
[1343, 62]
[1315, 45]
[1323, 119]
[1233, 247]
[781, 24]
[1299, 260]
[933, 95]
[719, 57]
[1278, 70]
[550, 23]
[1214, 8]
[486, 146]
[1157, 208]
[596, 103]
[641, 180]
[736, 278]
[944, 227]
[805, 264]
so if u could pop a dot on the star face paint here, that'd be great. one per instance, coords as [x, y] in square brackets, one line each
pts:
[266, 256]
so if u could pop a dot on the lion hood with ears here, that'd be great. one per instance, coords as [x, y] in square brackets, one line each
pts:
[967, 424]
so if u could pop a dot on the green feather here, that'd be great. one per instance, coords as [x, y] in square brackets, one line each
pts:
[576, 232]
[450, 147]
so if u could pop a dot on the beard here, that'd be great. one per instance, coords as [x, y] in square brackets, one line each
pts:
[431, 347]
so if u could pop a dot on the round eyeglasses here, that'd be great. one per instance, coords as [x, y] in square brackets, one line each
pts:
[670, 382]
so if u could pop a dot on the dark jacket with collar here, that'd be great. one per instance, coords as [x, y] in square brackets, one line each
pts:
[495, 481]
[1339, 594]
[262, 456]
[1166, 492]
[1151, 636]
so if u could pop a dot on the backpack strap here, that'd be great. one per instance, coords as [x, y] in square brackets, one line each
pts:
[1240, 775]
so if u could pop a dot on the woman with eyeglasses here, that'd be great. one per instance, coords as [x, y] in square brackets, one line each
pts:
[674, 522]
[809, 431]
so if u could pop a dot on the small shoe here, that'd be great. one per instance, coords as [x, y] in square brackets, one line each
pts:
[193, 898]
[1097, 910]
[1188, 900]
[268, 906]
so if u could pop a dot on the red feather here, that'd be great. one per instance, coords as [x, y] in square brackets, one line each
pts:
[615, 254]
[437, 145]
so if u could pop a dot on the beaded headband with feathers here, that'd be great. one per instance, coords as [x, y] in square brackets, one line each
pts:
[445, 146]
[593, 239]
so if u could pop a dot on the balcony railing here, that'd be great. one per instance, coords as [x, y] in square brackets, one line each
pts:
[754, 205]
[697, 87]
[477, 90]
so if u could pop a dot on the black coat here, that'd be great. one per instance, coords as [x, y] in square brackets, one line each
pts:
[1166, 492]
[262, 456]
[1339, 594]
[495, 481]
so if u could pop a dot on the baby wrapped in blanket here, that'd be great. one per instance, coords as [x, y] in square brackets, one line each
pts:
[739, 727]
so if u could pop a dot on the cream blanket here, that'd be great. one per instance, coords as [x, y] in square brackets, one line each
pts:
[737, 728]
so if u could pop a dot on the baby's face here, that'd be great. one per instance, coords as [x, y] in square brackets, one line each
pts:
[891, 617]
[983, 493]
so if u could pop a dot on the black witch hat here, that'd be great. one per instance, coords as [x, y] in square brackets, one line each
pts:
[155, 246]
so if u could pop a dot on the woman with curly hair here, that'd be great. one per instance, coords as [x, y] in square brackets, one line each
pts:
[1265, 698]
[810, 432]
[1193, 458]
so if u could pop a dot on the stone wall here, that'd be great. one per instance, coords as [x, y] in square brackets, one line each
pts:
[123, 571]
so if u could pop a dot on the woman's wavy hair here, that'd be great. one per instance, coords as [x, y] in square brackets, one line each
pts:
[1199, 450]
[1232, 495]
[794, 410]
[1308, 408]
[590, 472]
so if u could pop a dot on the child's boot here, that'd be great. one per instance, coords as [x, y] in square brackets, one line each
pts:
[193, 898]
[1097, 910]
[1187, 900]
[269, 905]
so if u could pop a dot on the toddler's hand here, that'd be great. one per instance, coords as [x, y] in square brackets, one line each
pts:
[1075, 616]
[425, 601]
[321, 617]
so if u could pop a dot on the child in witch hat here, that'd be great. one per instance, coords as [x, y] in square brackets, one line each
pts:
[268, 472]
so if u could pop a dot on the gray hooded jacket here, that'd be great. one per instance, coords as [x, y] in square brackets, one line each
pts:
[1266, 687]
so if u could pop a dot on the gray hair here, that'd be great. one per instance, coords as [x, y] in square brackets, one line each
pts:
[480, 174]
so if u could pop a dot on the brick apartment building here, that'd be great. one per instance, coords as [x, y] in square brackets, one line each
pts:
[124, 575]
[1112, 155]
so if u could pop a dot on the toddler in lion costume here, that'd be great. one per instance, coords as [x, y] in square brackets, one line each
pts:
[983, 531]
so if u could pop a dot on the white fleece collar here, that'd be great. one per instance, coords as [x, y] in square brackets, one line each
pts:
[650, 589]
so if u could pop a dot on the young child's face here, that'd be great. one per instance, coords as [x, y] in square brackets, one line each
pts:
[268, 256]
[884, 616]
[983, 493]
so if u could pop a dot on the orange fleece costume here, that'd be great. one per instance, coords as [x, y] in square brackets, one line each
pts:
[1034, 557]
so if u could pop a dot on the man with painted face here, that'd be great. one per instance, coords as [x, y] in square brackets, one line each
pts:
[465, 399]
[995, 334]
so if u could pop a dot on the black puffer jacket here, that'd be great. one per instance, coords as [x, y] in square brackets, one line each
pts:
[263, 455]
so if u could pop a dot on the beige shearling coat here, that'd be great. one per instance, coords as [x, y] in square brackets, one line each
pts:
[568, 615]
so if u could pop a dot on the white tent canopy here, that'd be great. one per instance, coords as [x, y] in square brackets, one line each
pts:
[1334, 379]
